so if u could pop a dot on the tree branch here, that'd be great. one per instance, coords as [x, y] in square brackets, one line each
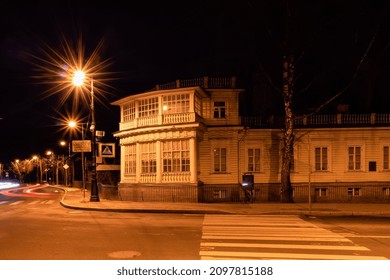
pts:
[319, 108]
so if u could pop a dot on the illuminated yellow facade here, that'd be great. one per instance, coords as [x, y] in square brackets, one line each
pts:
[186, 141]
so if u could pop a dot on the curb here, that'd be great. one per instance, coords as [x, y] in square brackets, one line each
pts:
[303, 212]
[148, 210]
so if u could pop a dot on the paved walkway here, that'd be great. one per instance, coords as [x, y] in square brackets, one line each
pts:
[76, 199]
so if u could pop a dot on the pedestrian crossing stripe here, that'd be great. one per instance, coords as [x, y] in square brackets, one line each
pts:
[16, 202]
[286, 246]
[280, 256]
[31, 203]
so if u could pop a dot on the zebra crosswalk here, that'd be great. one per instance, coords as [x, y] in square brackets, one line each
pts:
[28, 202]
[274, 237]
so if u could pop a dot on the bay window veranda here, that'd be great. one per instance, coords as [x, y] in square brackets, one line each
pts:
[160, 110]
[159, 162]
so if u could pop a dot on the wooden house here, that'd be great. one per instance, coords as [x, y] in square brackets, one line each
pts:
[186, 142]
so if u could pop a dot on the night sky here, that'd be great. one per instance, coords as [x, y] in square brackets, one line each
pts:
[338, 45]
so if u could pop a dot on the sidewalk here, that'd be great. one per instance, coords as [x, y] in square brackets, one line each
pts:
[75, 199]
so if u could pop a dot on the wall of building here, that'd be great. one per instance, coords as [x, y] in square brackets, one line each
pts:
[207, 133]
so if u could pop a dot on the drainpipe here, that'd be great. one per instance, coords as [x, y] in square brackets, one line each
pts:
[308, 147]
[245, 130]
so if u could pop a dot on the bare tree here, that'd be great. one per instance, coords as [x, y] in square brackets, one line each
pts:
[288, 94]
[22, 168]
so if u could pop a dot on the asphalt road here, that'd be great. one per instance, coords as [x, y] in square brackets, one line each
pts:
[37, 227]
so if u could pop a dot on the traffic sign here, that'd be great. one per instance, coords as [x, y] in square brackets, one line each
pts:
[107, 150]
[79, 146]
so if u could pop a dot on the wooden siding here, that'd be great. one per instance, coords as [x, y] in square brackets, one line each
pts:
[218, 137]
[230, 97]
[337, 140]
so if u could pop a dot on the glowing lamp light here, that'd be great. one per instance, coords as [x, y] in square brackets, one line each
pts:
[78, 78]
[72, 124]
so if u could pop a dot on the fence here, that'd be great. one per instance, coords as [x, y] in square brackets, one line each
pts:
[319, 120]
[263, 193]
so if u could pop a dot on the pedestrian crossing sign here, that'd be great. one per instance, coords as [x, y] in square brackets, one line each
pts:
[107, 150]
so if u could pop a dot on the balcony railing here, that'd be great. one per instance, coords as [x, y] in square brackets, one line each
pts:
[159, 120]
[320, 120]
[205, 82]
[176, 177]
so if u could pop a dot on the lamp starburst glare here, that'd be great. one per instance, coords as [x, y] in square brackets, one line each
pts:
[64, 68]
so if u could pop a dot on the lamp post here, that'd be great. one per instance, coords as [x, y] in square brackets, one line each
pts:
[72, 125]
[36, 160]
[78, 80]
[64, 164]
[49, 166]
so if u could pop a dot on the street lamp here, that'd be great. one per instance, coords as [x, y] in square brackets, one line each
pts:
[49, 166]
[71, 125]
[74, 124]
[78, 80]
[37, 163]
[65, 164]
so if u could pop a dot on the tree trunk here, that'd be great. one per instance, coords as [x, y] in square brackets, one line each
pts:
[288, 136]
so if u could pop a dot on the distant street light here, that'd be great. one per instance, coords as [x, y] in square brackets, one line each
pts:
[38, 163]
[48, 166]
[71, 125]
[78, 80]
[65, 163]
[74, 124]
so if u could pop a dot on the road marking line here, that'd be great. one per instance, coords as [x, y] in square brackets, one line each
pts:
[16, 202]
[286, 246]
[276, 238]
[250, 228]
[33, 202]
[282, 256]
[351, 235]
[51, 201]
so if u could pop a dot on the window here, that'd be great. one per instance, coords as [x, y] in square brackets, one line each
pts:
[354, 158]
[129, 112]
[386, 158]
[174, 104]
[219, 194]
[386, 191]
[148, 107]
[148, 158]
[220, 155]
[372, 166]
[321, 192]
[198, 105]
[253, 160]
[219, 110]
[354, 192]
[130, 159]
[176, 156]
[321, 158]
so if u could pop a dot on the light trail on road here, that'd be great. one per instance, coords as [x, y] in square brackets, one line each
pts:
[28, 191]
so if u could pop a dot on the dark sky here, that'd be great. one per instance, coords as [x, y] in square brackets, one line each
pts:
[337, 44]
